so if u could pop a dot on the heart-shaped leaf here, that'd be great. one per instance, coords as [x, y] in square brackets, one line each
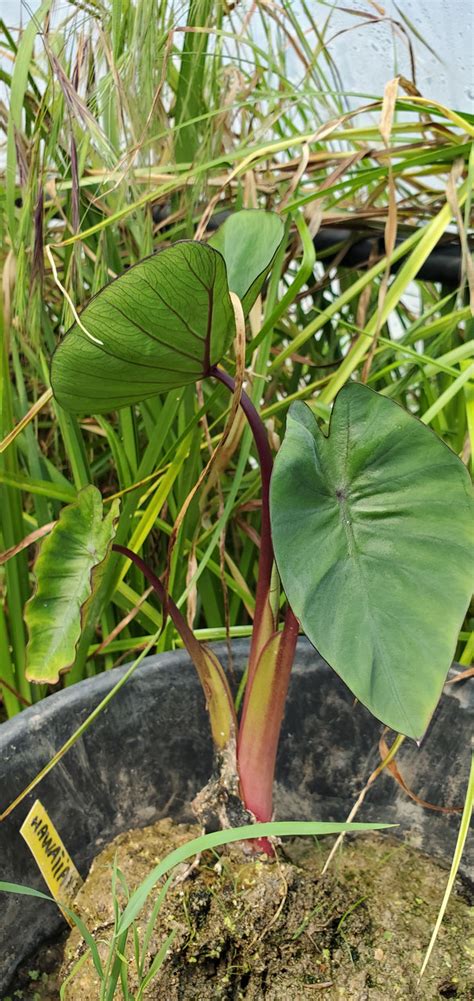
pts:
[68, 563]
[248, 241]
[159, 326]
[373, 528]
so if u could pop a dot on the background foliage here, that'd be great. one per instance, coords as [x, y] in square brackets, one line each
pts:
[127, 125]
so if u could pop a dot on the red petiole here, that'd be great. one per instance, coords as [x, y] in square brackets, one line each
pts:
[270, 659]
[271, 652]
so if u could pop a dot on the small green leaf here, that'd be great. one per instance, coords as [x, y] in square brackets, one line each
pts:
[373, 528]
[159, 326]
[248, 241]
[65, 572]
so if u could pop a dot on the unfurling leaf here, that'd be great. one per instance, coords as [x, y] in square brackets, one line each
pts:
[373, 529]
[248, 241]
[68, 561]
[159, 326]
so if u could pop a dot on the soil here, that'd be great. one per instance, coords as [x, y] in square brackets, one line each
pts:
[252, 929]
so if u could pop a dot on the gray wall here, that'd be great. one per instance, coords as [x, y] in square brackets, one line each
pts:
[370, 54]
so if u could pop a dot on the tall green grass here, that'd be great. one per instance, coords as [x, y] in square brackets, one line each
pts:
[124, 123]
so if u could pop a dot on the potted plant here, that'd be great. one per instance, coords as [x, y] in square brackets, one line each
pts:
[358, 545]
[359, 521]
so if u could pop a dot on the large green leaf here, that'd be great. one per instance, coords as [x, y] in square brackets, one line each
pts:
[373, 528]
[69, 562]
[248, 241]
[160, 326]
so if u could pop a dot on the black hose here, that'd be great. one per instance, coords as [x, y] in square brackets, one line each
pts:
[364, 249]
[442, 265]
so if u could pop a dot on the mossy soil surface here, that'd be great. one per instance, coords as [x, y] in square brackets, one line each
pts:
[277, 931]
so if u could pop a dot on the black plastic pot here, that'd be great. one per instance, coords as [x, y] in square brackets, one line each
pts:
[150, 752]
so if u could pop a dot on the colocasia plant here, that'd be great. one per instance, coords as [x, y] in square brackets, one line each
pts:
[367, 525]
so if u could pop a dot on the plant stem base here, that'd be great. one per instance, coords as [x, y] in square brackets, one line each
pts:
[277, 930]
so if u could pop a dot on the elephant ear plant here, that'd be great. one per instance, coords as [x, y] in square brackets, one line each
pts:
[369, 526]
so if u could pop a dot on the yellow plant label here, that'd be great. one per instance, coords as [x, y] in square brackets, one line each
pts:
[54, 862]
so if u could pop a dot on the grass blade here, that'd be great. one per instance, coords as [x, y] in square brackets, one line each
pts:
[278, 829]
[460, 843]
[28, 891]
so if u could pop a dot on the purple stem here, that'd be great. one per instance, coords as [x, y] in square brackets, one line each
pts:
[266, 546]
[213, 680]
[166, 601]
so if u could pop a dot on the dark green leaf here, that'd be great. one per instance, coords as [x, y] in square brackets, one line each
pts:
[373, 529]
[160, 326]
[248, 241]
[65, 571]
